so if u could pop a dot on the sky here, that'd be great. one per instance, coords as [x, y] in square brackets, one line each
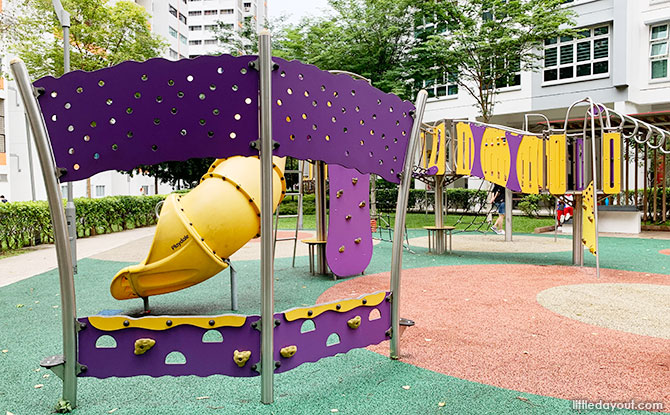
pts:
[297, 9]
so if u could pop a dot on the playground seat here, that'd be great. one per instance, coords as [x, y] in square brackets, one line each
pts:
[311, 243]
[436, 233]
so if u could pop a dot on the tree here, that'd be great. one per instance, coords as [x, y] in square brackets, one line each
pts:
[101, 35]
[484, 44]
[175, 172]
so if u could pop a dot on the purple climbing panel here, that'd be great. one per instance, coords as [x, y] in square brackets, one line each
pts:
[202, 358]
[513, 144]
[339, 120]
[477, 136]
[145, 113]
[312, 345]
[349, 245]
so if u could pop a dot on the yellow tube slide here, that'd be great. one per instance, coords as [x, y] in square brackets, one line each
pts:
[196, 232]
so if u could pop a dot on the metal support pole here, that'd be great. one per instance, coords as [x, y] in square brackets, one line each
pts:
[594, 175]
[31, 170]
[577, 233]
[400, 215]
[439, 219]
[321, 229]
[233, 288]
[267, 266]
[70, 210]
[508, 215]
[65, 272]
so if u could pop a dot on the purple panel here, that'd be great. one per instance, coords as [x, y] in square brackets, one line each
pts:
[477, 136]
[202, 359]
[349, 222]
[339, 120]
[312, 345]
[579, 183]
[513, 144]
[144, 113]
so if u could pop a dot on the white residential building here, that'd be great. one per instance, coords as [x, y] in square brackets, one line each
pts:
[204, 15]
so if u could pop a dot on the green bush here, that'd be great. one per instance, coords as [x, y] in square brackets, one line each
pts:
[29, 223]
[530, 205]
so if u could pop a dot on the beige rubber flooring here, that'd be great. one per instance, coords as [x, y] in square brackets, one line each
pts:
[496, 243]
[634, 308]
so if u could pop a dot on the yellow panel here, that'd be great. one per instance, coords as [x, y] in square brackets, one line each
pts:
[529, 164]
[611, 160]
[112, 323]
[370, 300]
[424, 150]
[464, 148]
[588, 219]
[441, 133]
[556, 165]
[495, 156]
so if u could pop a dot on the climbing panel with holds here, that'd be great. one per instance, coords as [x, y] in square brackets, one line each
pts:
[530, 164]
[349, 246]
[589, 231]
[159, 110]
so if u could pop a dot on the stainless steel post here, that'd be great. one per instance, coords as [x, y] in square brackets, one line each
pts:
[70, 210]
[439, 219]
[65, 272]
[399, 227]
[577, 233]
[321, 229]
[594, 168]
[508, 215]
[267, 266]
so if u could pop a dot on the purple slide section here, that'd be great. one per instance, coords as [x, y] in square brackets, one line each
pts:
[206, 359]
[202, 359]
[312, 345]
[349, 222]
[513, 144]
[159, 110]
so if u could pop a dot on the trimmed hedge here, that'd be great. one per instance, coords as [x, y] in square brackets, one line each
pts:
[29, 223]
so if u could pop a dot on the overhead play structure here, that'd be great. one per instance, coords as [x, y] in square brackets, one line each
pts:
[242, 110]
[586, 164]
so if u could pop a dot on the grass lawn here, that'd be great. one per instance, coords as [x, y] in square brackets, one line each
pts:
[520, 224]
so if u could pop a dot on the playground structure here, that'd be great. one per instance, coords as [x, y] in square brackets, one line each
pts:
[559, 161]
[118, 117]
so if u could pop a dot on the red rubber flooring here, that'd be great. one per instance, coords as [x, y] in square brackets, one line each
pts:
[483, 323]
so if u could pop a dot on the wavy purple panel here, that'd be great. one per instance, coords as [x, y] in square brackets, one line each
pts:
[478, 136]
[340, 120]
[145, 113]
[349, 222]
[202, 359]
[312, 345]
[513, 144]
[158, 110]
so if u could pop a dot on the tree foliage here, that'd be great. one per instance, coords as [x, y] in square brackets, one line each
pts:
[177, 173]
[486, 43]
[101, 34]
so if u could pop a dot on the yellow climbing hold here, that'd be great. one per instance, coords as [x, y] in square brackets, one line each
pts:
[143, 345]
[354, 180]
[241, 357]
[341, 249]
[362, 204]
[357, 240]
[354, 322]
[288, 351]
[339, 193]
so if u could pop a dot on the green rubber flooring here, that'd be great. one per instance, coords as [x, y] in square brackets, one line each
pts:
[358, 382]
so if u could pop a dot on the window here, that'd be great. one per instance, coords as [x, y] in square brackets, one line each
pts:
[182, 38]
[182, 18]
[99, 191]
[573, 59]
[173, 11]
[227, 11]
[210, 41]
[195, 13]
[173, 54]
[445, 86]
[172, 32]
[211, 12]
[228, 26]
[195, 42]
[144, 189]
[247, 7]
[194, 28]
[211, 27]
[506, 64]
[658, 51]
[193, 56]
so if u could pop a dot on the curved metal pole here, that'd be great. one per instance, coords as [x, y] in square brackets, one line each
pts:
[594, 176]
[65, 272]
[267, 265]
[399, 227]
